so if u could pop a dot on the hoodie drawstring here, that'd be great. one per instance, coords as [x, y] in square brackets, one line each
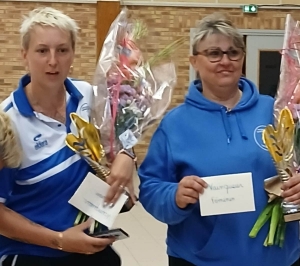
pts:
[227, 125]
[240, 125]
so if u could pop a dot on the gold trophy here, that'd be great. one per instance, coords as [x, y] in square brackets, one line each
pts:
[280, 143]
[10, 148]
[88, 145]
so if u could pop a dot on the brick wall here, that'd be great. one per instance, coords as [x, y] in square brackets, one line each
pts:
[165, 24]
[216, 2]
[11, 65]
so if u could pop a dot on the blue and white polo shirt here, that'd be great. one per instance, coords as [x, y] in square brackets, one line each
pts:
[50, 172]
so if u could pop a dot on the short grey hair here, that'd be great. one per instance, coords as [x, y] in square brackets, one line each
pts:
[217, 23]
[47, 16]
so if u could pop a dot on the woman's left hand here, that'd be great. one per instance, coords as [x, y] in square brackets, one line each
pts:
[291, 190]
[121, 177]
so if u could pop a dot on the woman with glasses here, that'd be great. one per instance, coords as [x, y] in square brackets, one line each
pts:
[216, 131]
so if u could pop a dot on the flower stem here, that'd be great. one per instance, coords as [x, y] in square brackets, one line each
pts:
[266, 241]
[282, 234]
[262, 219]
[278, 232]
[275, 218]
[78, 218]
[92, 226]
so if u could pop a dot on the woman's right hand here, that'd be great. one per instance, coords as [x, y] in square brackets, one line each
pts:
[75, 240]
[188, 190]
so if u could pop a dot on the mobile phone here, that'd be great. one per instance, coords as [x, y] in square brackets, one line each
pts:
[117, 233]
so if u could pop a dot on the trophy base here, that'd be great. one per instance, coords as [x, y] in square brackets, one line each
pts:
[291, 212]
[290, 217]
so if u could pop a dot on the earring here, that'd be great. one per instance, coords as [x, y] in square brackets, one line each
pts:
[71, 70]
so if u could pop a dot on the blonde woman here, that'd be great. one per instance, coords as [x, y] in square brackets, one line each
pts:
[36, 220]
[10, 150]
[215, 132]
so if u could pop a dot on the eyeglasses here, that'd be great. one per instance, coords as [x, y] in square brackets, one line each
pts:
[216, 54]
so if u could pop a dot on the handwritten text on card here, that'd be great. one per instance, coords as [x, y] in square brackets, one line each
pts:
[227, 194]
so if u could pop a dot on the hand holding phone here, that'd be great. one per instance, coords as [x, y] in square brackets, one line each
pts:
[116, 233]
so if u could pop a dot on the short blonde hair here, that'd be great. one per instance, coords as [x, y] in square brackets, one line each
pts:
[217, 23]
[47, 17]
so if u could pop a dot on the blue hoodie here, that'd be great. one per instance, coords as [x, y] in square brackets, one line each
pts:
[203, 138]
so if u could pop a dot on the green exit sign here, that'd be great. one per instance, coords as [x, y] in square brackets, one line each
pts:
[250, 8]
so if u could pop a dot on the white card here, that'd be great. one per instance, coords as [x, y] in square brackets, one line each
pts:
[89, 198]
[128, 139]
[227, 194]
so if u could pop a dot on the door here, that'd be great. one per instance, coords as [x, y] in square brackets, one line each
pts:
[263, 59]
[107, 11]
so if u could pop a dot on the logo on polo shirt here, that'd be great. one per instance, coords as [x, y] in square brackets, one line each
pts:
[84, 109]
[39, 143]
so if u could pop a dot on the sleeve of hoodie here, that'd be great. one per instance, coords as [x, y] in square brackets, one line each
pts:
[158, 182]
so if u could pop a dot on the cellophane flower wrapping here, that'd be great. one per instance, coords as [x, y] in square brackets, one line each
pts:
[288, 93]
[131, 93]
[288, 96]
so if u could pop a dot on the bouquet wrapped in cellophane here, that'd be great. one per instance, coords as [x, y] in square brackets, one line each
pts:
[10, 149]
[131, 92]
[283, 140]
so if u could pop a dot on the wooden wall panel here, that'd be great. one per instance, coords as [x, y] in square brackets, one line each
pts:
[107, 11]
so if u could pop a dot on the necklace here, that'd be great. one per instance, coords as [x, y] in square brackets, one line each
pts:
[58, 114]
[236, 101]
